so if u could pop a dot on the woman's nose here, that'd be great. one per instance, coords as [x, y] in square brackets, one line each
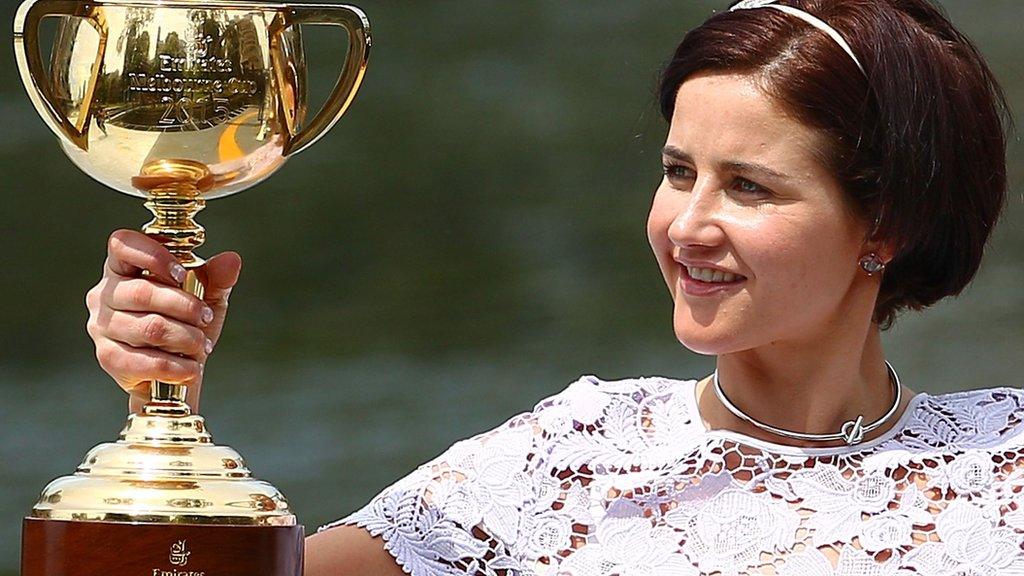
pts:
[696, 223]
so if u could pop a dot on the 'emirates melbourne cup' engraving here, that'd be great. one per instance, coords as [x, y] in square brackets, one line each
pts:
[196, 82]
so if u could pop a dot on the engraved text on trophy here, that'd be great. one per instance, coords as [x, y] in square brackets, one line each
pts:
[192, 83]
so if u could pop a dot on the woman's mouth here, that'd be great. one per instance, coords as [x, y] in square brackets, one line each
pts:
[698, 281]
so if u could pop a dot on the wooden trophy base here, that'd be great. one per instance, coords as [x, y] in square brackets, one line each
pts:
[70, 548]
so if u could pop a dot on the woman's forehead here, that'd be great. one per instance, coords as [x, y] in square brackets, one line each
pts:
[727, 117]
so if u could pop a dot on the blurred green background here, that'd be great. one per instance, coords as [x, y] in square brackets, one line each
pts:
[469, 239]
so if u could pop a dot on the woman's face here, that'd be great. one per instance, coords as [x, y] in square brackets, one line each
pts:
[745, 193]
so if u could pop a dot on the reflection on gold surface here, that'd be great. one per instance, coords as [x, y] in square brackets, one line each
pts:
[164, 469]
[221, 84]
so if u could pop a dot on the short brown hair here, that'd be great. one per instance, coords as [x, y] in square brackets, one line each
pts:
[918, 141]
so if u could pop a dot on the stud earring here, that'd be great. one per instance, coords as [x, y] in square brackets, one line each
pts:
[871, 263]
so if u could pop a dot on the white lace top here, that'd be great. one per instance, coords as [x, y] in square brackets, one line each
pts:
[621, 478]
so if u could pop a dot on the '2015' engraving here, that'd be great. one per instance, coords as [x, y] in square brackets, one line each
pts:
[179, 111]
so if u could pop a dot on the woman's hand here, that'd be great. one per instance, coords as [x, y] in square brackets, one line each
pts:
[147, 328]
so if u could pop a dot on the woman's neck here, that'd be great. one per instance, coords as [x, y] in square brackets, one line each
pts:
[811, 387]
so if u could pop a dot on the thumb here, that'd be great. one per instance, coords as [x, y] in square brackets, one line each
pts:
[219, 274]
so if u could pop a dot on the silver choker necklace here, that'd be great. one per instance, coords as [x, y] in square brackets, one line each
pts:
[852, 431]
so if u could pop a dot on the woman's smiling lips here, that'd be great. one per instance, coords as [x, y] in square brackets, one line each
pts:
[696, 287]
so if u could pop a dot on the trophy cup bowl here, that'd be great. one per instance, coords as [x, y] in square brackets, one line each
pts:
[175, 102]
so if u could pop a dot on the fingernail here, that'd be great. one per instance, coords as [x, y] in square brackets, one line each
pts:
[178, 272]
[207, 315]
[209, 345]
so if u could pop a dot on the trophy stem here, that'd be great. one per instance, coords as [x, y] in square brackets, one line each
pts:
[174, 190]
[174, 224]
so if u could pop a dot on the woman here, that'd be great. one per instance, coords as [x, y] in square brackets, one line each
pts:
[828, 164]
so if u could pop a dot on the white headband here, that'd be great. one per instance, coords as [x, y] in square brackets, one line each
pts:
[745, 4]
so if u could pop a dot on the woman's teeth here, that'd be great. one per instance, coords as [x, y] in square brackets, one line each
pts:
[709, 275]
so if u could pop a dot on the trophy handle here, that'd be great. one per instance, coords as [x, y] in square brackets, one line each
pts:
[358, 27]
[33, 75]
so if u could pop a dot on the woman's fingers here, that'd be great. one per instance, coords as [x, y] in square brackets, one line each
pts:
[219, 275]
[144, 330]
[129, 252]
[130, 366]
[142, 295]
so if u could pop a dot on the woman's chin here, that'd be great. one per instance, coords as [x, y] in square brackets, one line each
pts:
[701, 346]
[710, 339]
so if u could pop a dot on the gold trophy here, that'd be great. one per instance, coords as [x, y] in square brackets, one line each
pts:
[175, 102]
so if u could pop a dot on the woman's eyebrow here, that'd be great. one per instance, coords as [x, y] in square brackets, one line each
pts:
[731, 165]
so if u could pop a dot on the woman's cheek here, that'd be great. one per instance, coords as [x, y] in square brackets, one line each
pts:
[796, 280]
[659, 219]
[658, 222]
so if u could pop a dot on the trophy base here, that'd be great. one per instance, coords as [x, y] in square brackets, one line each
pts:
[74, 548]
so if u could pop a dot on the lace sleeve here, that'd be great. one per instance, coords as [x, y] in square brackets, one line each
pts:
[462, 512]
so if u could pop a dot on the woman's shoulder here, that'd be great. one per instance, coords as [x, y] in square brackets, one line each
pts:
[591, 408]
[978, 395]
[590, 401]
[591, 393]
[965, 419]
[641, 422]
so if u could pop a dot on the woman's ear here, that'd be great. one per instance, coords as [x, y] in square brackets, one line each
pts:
[885, 248]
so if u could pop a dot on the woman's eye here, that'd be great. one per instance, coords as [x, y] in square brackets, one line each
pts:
[676, 171]
[748, 187]
[742, 185]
